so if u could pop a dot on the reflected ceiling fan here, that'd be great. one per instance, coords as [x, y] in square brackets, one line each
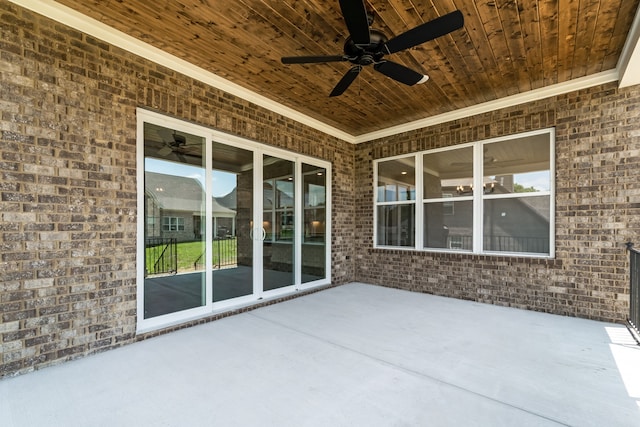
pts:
[488, 160]
[174, 143]
[366, 46]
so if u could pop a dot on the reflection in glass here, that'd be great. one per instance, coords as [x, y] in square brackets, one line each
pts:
[396, 180]
[396, 225]
[174, 212]
[268, 195]
[519, 224]
[517, 210]
[518, 166]
[448, 173]
[232, 246]
[449, 225]
[396, 184]
[314, 237]
[278, 222]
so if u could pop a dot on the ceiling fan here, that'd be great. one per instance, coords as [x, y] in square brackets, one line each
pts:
[366, 46]
[174, 143]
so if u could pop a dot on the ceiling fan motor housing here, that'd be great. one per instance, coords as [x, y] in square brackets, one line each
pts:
[366, 54]
[179, 140]
[367, 46]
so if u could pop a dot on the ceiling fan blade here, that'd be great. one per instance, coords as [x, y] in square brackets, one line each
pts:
[165, 134]
[425, 32]
[312, 59]
[165, 151]
[355, 16]
[400, 73]
[346, 81]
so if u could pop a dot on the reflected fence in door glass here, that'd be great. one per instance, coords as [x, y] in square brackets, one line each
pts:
[174, 205]
[232, 222]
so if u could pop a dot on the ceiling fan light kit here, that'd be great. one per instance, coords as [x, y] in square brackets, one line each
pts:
[367, 46]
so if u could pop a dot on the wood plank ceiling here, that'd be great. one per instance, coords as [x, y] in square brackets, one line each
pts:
[506, 47]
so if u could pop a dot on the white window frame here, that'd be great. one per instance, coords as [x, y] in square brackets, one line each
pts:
[259, 149]
[477, 197]
[406, 202]
[169, 222]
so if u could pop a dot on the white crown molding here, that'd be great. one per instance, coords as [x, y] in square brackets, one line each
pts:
[509, 101]
[80, 22]
[85, 24]
[629, 62]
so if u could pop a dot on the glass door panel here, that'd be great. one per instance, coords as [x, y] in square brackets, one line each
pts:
[224, 221]
[314, 239]
[278, 222]
[232, 221]
[174, 208]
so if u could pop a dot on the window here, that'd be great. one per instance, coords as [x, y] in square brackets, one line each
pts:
[172, 223]
[448, 211]
[492, 196]
[396, 202]
[517, 197]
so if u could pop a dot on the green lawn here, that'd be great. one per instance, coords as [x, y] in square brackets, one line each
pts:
[188, 253]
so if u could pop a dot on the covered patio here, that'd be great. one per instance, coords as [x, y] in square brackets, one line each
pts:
[357, 355]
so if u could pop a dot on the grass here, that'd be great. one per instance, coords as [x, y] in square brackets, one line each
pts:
[188, 253]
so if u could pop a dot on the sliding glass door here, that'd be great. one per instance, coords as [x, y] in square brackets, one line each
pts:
[232, 217]
[313, 259]
[224, 221]
[278, 222]
[174, 230]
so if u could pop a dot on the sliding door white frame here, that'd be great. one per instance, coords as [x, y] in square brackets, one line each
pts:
[259, 150]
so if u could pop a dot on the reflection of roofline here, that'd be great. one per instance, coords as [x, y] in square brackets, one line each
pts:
[152, 195]
[173, 201]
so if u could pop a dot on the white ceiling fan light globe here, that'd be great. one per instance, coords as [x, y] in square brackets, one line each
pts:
[423, 79]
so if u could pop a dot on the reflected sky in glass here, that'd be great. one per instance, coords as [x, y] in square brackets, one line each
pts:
[223, 182]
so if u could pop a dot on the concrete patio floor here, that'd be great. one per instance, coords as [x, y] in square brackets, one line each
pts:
[355, 355]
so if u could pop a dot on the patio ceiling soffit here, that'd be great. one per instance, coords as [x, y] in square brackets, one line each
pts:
[627, 73]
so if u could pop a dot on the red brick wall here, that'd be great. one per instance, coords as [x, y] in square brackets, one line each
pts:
[597, 210]
[68, 190]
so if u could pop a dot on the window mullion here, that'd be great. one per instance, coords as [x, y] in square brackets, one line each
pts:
[419, 208]
[208, 221]
[375, 204]
[478, 173]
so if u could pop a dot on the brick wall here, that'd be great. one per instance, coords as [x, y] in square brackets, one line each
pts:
[597, 210]
[68, 191]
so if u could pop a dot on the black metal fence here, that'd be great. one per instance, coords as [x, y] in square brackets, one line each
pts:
[225, 253]
[517, 244]
[161, 256]
[501, 243]
[634, 303]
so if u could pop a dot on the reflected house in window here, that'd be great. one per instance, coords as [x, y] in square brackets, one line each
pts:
[278, 209]
[510, 224]
[511, 213]
[174, 209]
[517, 224]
